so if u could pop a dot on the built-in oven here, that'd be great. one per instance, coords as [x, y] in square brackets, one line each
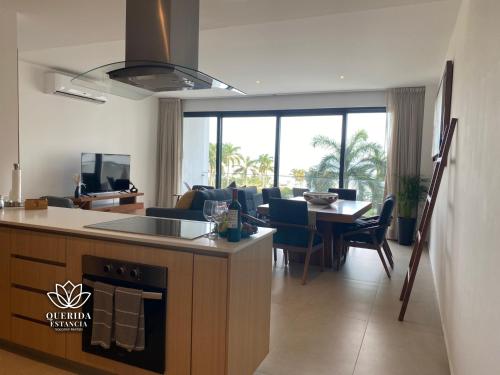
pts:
[152, 280]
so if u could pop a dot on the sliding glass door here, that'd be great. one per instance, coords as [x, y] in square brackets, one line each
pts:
[365, 156]
[313, 149]
[199, 151]
[248, 147]
[310, 149]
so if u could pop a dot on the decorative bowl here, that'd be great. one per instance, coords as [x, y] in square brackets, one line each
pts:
[320, 198]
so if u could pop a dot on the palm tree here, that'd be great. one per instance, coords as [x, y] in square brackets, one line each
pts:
[231, 157]
[265, 165]
[299, 175]
[246, 167]
[365, 164]
[212, 159]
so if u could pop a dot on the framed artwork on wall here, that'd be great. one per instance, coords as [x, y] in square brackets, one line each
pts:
[442, 109]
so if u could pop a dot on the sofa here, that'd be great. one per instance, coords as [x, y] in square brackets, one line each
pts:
[248, 198]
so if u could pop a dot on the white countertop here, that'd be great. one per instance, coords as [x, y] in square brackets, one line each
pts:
[72, 221]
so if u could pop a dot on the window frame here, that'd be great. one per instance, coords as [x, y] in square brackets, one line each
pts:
[278, 114]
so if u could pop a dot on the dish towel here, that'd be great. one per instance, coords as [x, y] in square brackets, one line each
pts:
[102, 322]
[129, 319]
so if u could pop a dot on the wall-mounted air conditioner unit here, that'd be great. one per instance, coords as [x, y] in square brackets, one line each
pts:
[60, 84]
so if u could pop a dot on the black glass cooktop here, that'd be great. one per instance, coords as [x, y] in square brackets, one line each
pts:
[155, 226]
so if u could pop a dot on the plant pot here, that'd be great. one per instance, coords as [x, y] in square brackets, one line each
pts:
[406, 230]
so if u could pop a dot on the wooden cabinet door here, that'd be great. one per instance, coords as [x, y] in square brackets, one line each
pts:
[4, 284]
[209, 316]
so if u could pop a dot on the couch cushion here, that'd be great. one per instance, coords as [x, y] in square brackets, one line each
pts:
[186, 200]
[214, 194]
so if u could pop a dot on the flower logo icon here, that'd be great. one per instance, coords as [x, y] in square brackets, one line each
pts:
[68, 296]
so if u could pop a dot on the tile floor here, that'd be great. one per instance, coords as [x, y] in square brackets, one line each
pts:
[346, 322]
[339, 323]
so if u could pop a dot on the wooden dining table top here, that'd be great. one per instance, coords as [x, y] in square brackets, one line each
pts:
[340, 211]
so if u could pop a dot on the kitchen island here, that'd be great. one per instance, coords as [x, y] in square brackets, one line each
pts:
[218, 293]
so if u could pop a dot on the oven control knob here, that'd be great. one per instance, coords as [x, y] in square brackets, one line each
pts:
[120, 271]
[108, 268]
[135, 273]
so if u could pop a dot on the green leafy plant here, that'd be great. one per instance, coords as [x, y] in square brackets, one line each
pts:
[365, 166]
[412, 190]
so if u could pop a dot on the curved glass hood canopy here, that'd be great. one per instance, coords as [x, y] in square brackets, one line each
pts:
[161, 53]
[141, 79]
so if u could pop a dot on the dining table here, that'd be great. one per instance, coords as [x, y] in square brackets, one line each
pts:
[326, 216]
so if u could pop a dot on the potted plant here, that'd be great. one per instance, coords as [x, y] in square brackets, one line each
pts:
[411, 191]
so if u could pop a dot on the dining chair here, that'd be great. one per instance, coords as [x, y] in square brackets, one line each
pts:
[294, 233]
[345, 194]
[370, 234]
[250, 200]
[299, 192]
[268, 193]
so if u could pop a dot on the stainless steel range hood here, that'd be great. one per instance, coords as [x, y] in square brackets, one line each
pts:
[161, 53]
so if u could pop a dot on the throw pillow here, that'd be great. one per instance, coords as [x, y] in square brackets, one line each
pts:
[186, 200]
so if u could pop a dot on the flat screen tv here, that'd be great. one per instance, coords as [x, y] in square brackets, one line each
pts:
[105, 172]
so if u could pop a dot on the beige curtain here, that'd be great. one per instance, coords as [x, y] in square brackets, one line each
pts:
[169, 151]
[405, 115]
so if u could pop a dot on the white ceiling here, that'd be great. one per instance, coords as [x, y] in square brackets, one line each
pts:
[290, 46]
[224, 13]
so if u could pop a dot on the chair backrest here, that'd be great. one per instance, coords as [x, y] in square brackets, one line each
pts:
[289, 211]
[385, 216]
[257, 198]
[268, 193]
[298, 192]
[246, 197]
[345, 194]
[59, 202]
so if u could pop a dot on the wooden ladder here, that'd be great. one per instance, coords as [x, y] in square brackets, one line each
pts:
[423, 228]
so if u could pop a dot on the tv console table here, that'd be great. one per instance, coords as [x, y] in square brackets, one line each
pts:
[127, 202]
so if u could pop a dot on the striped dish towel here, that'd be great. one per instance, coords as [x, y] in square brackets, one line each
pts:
[102, 321]
[129, 319]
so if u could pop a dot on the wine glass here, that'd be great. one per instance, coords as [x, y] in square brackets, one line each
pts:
[208, 213]
[220, 212]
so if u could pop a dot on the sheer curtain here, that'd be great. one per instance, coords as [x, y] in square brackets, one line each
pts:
[169, 151]
[405, 116]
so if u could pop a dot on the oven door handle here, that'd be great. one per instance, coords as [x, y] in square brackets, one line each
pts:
[145, 295]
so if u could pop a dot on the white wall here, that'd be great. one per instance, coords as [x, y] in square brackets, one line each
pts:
[298, 101]
[8, 98]
[55, 130]
[464, 248]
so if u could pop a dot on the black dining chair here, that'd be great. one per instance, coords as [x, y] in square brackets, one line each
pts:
[370, 234]
[299, 192]
[250, 200]
[345, 194]
[294, 233]
[268, 193]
